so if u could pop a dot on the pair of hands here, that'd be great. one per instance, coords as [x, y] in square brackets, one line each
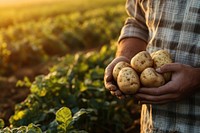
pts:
[184, 82]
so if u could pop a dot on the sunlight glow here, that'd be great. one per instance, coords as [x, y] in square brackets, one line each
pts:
[20, 2]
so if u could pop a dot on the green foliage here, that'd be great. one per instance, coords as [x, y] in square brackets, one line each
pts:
[4, 55]
[31, 128]
[72, 98]
[45, 38]
[14, 14]
[1, 124]
[63, 117]
[25, 82]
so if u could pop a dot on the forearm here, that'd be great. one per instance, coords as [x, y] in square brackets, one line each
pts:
[128, 47]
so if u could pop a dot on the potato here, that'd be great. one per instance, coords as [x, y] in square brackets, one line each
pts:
[150, 78]
[118, 67]
[141, 61]
[160, 58]
[141, 71]
[128, 80]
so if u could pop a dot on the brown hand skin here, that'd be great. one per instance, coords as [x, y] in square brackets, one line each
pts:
[184, 82]
[109, 82]
[126, 49]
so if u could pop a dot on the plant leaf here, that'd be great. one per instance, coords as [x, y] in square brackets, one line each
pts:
[64, 115]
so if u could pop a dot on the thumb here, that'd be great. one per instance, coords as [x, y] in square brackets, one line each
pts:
[171, 67]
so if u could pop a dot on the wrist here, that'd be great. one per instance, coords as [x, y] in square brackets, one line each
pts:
[129, 47]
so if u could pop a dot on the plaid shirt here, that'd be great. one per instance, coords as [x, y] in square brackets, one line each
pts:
[173, 25]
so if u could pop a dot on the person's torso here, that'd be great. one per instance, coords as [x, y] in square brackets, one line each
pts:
[174, 25]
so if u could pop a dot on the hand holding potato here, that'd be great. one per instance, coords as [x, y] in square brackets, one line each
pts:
[109, 81]
[149, 77]
[124, 77]
[141, 71]
[160, 58]
[184, 82]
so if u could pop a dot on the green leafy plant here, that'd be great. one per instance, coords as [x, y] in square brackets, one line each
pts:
[1, 124]
[72, 97]
[55, 36]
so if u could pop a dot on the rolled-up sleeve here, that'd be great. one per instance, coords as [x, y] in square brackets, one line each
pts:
[135, 24]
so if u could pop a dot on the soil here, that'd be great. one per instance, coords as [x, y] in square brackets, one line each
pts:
[10, 94]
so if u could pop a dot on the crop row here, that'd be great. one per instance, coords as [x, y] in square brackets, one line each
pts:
[13, 14]
[72, 98]
[33, 42]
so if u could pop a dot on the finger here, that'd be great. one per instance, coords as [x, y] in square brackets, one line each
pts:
[108, 79]
[121, 97]
[127, 96]
[112, 92]
[171, 67]
[118, 94]
[167, 88]
[108, 73]
[166, 97]
[110, 86]
[153, 102]
[108, 76]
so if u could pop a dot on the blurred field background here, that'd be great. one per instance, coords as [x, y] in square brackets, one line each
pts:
[52, 58]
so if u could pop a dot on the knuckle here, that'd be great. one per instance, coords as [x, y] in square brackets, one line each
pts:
[107, 70]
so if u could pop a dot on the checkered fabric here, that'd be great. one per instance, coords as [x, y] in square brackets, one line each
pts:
[173, 25]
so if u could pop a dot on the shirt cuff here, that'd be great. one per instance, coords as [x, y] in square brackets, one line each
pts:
[130, 31]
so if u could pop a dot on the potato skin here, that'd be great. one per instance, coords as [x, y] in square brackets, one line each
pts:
[160, 58]
[118, 67]
[128, 80]
[141, 71]
[141, 61]
[150, 78]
